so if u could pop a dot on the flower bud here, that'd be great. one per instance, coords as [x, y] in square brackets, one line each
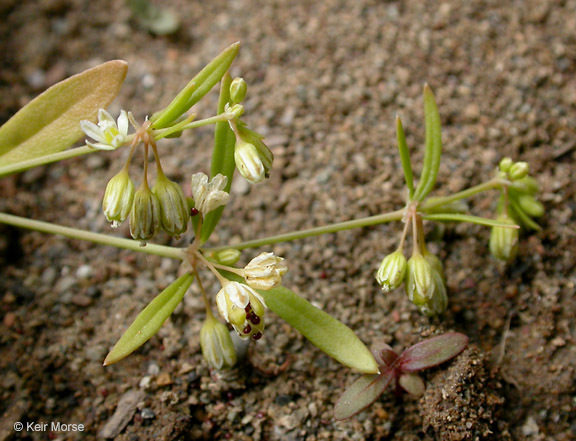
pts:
[243, 308]
[174, 214]
[505, 164]
[248, 162]
[265, 271]
[419, 283]
[434, 262]
[145, 214]
[228, 256]
[518, 170]
[504, 241]
[439, 301]
[217, 346]
[392, 271]
[238, 89]
[118, 198]
[530, 205]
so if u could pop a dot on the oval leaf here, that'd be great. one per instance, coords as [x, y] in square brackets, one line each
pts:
[150, 320]
[51, 122]
[432, 351]
[361, 394]
[324, 331]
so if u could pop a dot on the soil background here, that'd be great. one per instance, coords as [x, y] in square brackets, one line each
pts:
[325, 82]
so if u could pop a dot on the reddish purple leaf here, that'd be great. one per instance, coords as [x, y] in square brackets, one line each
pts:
[432, 351]
[384, 354]
[361, 394]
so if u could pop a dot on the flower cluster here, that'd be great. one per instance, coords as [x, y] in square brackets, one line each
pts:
[240, 304]
[517, 206]
[163, 207]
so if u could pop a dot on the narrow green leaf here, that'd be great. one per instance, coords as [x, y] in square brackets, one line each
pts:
[433, 150]
[404, 156]
[522, 217]
[446, 217]
[150, 320]
[324, 331]
[361, 394]
[51, 122]
[195, 90]
[432, 351]
[222, 157]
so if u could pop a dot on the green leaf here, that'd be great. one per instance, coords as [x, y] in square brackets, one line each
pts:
[222, 157]
[195, 90]
[404, 156]
[324, 331]
[150, 320]
[433, 150]
[447, 217]
[51, 122]
[361, 394]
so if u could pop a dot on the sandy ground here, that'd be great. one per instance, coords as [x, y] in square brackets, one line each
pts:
[325, 81]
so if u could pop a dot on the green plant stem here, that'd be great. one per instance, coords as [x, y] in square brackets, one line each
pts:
[439, 201]
[103, 239]
[162, 133]
[43, 160]
[332, 228]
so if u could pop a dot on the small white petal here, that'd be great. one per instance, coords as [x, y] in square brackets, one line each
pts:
[105, 118]
[99, 146]
[123, 123]
[92, 130]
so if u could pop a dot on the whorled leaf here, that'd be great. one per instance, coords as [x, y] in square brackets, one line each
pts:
[433, 150]
[222, 157]
[51, 122]
[324, 331]
[361, 394]
[404, 156]
[449, 217]
[150, 319]
[198, 86]
[432, 352]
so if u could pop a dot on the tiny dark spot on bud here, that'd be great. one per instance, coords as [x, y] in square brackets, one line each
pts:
[257, 336]
[247, 329]
[194, 211]
[266, 175]
[248, 308]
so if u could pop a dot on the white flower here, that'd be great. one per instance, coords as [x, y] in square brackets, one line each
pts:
[265, 271]
[209, 196]
[109, 135]
[243, 308]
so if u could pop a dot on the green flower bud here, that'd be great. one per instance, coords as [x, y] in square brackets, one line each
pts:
[118, 198]
[434, 262]
[248, 162]
[174, 213]
[145, 214]
[530, 205]
[255, 138]
[504, 241]
[228, 257]
[392, 271]
[217, 346]
[439, 301]
[505, 164]
[238, 89]
[518, 170]
[419, 283]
